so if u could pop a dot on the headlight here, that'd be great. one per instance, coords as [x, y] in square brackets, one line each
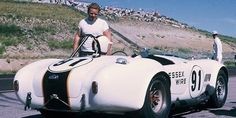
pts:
[95, 87]
[16, 86]
[121, 61]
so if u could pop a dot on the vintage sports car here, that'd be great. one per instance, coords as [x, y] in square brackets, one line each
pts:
[145, 85]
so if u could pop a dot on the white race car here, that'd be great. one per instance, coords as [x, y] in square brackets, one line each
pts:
[146, 86]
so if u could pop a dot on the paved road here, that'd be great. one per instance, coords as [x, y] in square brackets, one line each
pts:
[227, 111]
[10, 107]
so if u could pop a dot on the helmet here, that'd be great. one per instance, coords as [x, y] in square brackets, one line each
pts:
[104, 42]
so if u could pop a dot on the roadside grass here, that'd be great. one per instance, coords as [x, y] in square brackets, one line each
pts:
[180, 50]
[9, 41]
[10, 35]
[42, 20]
[21, 10]
[2, 49]
[10, 30]
[185, 50]
[7, 74]
[230, 63]
[65, 44]
[38, 30]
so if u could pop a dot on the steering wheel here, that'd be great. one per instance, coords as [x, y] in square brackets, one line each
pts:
[95, 46]
[119, 52]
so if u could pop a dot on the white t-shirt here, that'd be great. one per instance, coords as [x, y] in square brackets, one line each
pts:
[217, 48]
[95, 28]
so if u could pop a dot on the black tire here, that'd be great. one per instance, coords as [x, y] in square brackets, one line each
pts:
[219, 96]
[158, 99]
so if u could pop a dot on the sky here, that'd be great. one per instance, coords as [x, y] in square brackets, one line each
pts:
[210, 15]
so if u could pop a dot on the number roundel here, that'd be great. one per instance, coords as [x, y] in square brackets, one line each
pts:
[196, 81]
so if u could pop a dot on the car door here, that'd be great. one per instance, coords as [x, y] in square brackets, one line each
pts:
[178, 74]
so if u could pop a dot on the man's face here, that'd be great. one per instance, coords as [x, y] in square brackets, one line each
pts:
[93, 14]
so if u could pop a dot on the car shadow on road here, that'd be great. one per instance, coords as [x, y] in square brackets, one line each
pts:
[231, 112]
[74, 115]
[180, 113]
[34, 116]
[218, 112]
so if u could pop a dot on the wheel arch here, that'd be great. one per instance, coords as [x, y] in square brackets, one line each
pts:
[145, 110]
[167, 78]
[214, 100]
[225, 70]
[166, 75]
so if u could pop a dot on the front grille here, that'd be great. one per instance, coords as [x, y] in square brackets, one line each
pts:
[56, 84]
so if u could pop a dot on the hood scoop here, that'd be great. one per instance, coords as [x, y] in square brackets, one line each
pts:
[68, 64]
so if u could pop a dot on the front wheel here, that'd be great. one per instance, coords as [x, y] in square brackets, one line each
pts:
[158, 99]
[221, 90]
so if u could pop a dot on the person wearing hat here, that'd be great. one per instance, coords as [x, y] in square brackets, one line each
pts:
[94, 26]
[217, 47]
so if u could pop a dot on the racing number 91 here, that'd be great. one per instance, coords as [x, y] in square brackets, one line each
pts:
[196, 76]
[196, 81]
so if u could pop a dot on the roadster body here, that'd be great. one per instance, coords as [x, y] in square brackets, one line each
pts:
[149, 85]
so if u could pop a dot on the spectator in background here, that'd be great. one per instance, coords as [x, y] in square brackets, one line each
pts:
[217, 47]
[92, 25]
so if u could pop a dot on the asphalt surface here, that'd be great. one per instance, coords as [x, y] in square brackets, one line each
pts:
[232, 71]
[10, 107]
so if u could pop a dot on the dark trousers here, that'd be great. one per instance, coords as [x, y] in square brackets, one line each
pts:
[84, 54]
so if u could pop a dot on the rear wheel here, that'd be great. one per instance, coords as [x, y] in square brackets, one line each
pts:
[221, 90]
[158, 99]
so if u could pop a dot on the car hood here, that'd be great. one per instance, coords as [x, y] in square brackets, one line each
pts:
[69, 64]
[71, 73]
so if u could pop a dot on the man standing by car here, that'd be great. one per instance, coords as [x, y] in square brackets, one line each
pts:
[217, 47]
[94, 26]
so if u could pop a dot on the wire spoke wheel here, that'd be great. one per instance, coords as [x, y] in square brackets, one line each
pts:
[220, 88]
[218, 98]
[156, 96]
[157, 102]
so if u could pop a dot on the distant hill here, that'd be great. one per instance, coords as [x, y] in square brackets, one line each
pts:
[186, 42]
[33, 31]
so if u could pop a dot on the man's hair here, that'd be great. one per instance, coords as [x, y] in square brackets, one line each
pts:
[94, 6]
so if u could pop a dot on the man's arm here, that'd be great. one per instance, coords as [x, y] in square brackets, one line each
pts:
[107, 33]
[76, 40]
